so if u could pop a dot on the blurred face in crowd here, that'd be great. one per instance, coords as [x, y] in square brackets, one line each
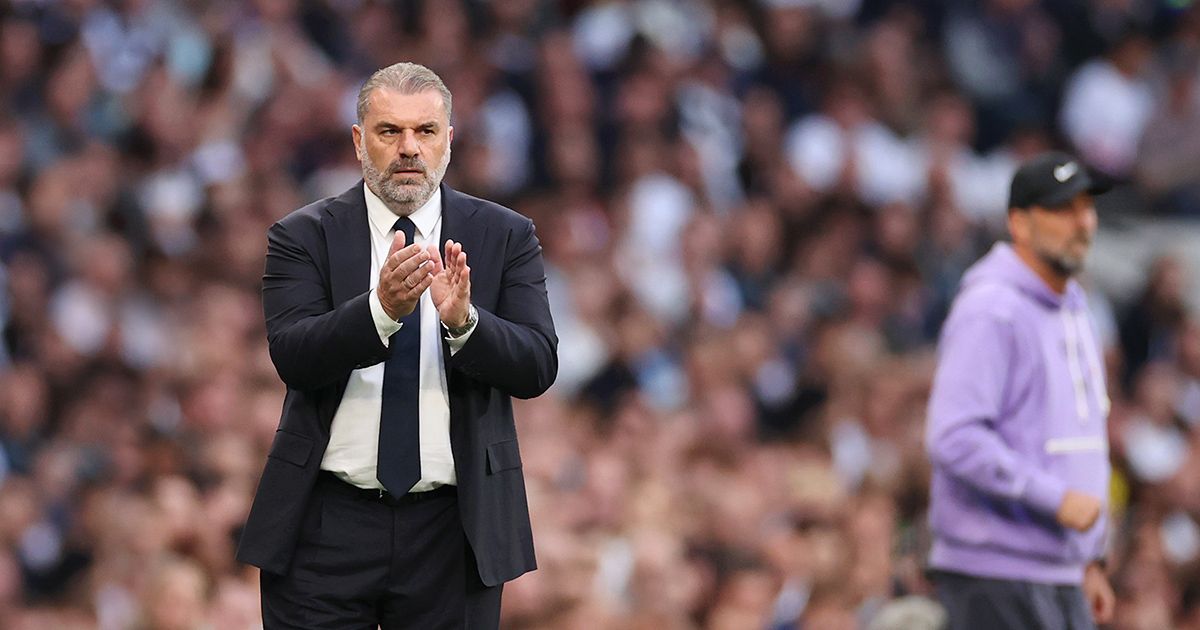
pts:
[1058, 237]
[403, 144]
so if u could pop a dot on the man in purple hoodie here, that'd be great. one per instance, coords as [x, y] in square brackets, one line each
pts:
[1016, 428]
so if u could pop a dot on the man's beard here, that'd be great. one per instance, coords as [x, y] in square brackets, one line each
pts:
[404, 198]
[1063, 264]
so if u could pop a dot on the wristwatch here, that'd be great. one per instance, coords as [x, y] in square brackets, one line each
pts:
[472, 319]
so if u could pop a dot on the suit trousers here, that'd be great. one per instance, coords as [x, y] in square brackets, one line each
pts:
[363, 563]
[975, 603]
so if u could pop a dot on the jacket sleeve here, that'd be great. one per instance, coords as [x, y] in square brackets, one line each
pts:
[515, 349]
[312, 344]
[961, 436]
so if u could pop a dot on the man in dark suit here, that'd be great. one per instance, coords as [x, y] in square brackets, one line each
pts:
[393, 493]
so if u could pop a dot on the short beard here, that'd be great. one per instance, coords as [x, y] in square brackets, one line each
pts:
[403, 199]
[1062, 265]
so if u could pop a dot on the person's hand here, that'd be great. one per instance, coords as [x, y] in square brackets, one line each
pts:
[1078, 511]
[406, 273]
[1099, 593]
[451, 288]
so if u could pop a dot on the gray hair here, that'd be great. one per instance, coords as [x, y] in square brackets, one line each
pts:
[405, 78]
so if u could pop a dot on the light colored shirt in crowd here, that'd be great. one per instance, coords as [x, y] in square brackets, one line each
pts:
[352, 453]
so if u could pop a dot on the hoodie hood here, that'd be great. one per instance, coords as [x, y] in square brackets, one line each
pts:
[1003, 265]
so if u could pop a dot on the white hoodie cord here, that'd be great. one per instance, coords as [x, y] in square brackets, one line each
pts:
[1071, 334]
[1091, 349]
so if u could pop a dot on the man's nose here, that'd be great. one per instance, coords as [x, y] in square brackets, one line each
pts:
[409, 147]
[1083, 210]
[1086, 220]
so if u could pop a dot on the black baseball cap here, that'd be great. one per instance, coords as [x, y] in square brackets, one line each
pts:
[1052, 179]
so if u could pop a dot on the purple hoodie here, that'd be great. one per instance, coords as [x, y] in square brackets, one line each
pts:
[1016, 418]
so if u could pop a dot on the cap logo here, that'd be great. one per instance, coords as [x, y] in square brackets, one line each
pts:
[1066, 171]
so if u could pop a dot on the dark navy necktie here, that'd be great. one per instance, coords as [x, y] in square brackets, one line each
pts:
[399, 464]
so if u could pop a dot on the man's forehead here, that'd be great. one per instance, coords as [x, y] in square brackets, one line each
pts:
[388, 104]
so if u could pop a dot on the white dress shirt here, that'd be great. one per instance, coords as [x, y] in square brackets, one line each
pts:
[354, 436]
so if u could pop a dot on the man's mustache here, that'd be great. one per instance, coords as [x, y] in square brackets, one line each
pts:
[409, 165]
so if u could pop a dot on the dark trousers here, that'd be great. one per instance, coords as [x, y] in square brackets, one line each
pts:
[974, 603]
[363, 563]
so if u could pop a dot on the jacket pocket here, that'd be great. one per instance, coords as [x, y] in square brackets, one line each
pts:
[291, 447]
[503, 456]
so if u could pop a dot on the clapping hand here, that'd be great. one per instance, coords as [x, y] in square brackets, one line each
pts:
[406, 273]
[451, 287]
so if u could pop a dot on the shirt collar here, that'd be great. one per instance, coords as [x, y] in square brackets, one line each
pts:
[382, 219]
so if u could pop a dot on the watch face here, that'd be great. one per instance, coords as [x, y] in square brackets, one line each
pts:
[472, 317]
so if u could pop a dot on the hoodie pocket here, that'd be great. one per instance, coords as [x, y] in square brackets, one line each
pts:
[980, 520]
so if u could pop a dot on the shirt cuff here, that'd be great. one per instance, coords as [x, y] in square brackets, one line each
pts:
[384, 325]
[456, 343]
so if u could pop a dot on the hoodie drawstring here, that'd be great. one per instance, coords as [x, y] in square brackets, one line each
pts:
[1077, 330]
[1073, 364]
[1090, 348]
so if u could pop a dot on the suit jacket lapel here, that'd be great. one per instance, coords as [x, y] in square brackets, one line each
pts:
[457, 210]
[348, 244]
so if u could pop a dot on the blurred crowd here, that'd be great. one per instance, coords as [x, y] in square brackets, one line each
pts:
[754, 213]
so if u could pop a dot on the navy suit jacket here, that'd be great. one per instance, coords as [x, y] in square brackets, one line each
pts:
[319, 329]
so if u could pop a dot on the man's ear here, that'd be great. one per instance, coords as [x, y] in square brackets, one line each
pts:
[450, 130]
[1018, 225]
[356, 134]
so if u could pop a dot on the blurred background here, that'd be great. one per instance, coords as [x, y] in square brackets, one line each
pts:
[755, 215]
